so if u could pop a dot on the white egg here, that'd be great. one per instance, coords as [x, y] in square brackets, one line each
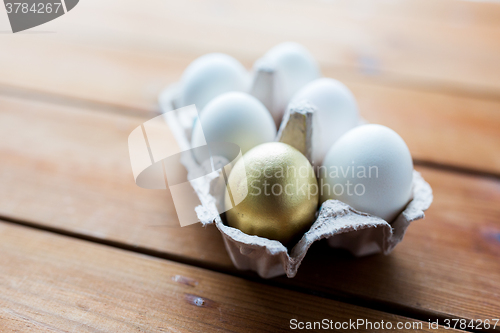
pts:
[233, 117]
[337, 112]
[209, 76]
[369, 168]
[294, 67]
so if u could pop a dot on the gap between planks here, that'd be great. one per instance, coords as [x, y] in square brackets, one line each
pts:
[429, 43]
[359, 299]
[53, 98]
[372, 304]
[111, 288]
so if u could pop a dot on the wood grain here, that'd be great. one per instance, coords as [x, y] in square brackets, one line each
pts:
[68, 169]
[452, 130]
[427, 69]
[52, 171]
[438, 127]
[51, 283]
[420, 67]
[449, 263]
[450, 44]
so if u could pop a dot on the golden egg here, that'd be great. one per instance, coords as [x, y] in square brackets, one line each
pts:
[281, 193]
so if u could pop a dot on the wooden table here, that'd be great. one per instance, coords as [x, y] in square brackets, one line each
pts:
[83, 249]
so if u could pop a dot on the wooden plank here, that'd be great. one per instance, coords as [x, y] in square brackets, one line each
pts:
[448, 263]
[72, 166]
[446, 44]
[453, 130]
[67, 168]
[440, 128]
[52, 283]
[128, 65]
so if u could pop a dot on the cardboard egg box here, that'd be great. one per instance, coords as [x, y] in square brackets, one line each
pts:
[344, 227]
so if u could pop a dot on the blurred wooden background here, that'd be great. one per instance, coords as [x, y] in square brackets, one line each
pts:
[82, 248]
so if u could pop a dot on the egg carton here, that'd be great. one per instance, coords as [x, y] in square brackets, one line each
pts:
[344, 227]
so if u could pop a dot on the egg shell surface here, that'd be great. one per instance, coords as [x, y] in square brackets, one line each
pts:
[211, 75]
[280, 193]
[377, 164]
[294, 68]
[233, 117]
[337, 112]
